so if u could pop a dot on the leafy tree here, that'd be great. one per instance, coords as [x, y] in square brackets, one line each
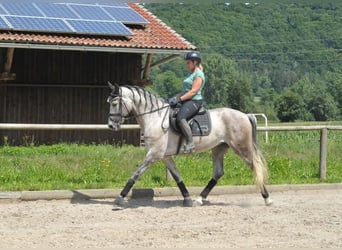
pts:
[289, 106]
[225, 86]
[167, 84]
[239, 94]
[319, 104]
[219, 73]
[334, 85]
[297, 47]
[322, 106]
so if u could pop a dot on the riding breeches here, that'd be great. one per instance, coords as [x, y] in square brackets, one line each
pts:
[189, 109]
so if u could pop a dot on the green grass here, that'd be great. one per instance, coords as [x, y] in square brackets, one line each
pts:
[292, 157]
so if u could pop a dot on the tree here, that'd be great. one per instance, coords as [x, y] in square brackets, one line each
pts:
[167, 84]
[219, 72]
[240, 93]
[289, 106]
[334, 83]
[319, 104]
[322, 106]
[298, 47]
[225, 86]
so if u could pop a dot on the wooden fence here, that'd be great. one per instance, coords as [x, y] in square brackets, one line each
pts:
[323, 138]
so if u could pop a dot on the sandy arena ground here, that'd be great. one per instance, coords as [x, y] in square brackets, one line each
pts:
[297, 219]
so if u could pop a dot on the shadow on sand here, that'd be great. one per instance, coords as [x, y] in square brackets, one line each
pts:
[145, 198]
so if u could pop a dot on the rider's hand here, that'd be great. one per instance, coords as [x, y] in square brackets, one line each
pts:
[173, 101]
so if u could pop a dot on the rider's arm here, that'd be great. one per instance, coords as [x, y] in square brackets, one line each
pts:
[196, 85]
[178, 95]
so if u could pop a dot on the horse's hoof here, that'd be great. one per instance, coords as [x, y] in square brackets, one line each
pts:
[198, 202]
[268, 202]
[187, 202]
[119, 201]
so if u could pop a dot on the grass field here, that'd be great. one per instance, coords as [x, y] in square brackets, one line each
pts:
[292, 157]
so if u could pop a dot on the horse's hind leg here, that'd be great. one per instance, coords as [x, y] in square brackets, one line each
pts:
[171, 166]
[218, 155]
[254, 160]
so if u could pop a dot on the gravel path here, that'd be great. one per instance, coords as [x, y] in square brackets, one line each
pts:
[297, 219]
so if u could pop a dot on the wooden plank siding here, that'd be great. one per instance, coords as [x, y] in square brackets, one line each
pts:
[65, 87]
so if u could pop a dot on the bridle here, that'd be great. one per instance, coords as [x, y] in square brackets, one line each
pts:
[119, 113]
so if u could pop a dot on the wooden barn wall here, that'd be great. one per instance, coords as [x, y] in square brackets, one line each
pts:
[65, 87]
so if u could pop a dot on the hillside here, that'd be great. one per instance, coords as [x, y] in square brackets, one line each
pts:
[284, 60]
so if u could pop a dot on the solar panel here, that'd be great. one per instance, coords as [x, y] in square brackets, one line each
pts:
[21, 9]
[3, 24]
[38, 24]
[2, 11]
[91, 12]
[100, 27]
[126, 15]
[117, 4]
[56, 10]
[107, 18]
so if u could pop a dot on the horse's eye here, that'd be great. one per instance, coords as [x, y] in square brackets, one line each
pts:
[115, 100]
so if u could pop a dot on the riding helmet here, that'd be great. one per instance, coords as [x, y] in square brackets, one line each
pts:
[193, 55]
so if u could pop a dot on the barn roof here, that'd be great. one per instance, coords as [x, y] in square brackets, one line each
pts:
[156, 37]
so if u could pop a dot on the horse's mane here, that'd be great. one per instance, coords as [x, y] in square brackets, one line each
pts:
[141, 94]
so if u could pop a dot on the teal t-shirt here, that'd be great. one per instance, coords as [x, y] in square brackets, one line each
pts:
[188, 81]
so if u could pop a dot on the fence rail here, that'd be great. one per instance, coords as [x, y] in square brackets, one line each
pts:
[299, 128]
[31, 126]
[323, 136]
[21, 126]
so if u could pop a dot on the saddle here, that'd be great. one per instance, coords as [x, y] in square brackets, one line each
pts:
[200, 124]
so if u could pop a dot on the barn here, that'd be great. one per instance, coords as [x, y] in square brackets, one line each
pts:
[56, 77]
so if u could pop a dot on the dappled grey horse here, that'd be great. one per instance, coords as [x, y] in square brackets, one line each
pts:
[230, 129]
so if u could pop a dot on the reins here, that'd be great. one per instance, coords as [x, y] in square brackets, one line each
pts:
[146, 113]
[138, 115]
[141, 114]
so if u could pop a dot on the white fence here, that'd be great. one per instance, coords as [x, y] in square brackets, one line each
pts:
[266, 124]
[323, 138]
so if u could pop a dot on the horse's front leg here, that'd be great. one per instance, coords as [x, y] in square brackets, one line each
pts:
[150, 158]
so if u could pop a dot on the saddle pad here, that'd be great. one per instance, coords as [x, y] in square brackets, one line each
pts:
[201, 124]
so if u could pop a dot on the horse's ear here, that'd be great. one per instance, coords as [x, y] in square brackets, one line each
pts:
[115, 88]
[111, 86]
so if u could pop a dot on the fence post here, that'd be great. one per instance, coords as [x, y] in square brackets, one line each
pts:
[323, 154]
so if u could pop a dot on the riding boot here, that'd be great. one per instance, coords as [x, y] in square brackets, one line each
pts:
[189, 146]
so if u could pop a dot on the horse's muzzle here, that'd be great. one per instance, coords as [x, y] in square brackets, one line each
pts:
[114, 126]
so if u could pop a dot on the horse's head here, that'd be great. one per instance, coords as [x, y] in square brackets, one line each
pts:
[119, 106]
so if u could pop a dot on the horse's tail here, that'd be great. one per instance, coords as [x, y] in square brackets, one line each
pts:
[259, 163]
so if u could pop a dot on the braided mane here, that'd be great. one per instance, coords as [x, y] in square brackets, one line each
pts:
[142, 96]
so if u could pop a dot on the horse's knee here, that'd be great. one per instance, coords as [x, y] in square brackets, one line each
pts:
[218, 173]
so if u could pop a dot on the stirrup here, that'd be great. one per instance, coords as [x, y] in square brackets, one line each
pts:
[189, 148]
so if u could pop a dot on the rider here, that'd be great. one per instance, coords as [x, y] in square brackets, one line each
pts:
[190, 97]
